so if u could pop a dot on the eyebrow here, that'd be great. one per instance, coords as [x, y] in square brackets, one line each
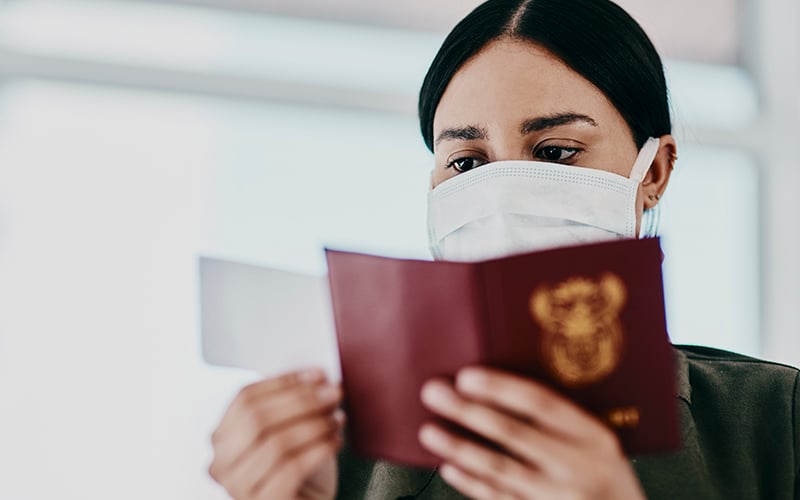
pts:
[474, 132]
[546, 122]
[467, 133]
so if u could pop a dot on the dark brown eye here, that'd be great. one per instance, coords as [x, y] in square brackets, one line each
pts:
[465, 164]
[556, 154]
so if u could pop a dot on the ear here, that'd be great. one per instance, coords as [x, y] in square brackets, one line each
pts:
[657, 178]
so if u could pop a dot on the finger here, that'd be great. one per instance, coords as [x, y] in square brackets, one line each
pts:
[496, 470]
[262, 461]
[290, 476]
[532, 400]
[516, 436]
[471, 486]
[255, 391]
[269, 414]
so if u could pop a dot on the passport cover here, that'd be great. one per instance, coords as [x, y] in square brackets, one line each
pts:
[588, 321]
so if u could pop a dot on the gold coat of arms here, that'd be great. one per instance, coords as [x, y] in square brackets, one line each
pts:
[582, 334]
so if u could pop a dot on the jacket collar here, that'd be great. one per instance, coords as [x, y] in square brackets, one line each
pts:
[684, 388]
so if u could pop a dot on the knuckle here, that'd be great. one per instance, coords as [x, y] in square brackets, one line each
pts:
[248, 394]
[293, 468]
[315, 429]
[483, 491]
[215, 438]
[497, 425]
[213, 471]
[510, 427]
[498, 464]
[276, 445]
[477, 412]
[307, 398]
[600, 483]
[470, 413]
[609, 443]
[604, 478]
[546, 403]
[256, 420]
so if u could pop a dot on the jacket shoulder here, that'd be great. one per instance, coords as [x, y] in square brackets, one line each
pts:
[719, 358]
[736, 401]
[742, 381]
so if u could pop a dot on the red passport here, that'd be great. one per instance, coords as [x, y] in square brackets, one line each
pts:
[588, 321]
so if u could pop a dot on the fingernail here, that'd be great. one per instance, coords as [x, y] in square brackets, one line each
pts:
[471, 379]
[328, 393]
[432, 437]
[435, 393]
[339, 417]
[311, 375]
[449, 473]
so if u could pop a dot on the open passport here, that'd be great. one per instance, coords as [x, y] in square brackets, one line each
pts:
[588, 321]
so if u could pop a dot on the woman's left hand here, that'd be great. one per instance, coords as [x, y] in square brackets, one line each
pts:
[549, 447]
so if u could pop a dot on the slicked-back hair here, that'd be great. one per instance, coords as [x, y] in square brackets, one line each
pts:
[596, 38]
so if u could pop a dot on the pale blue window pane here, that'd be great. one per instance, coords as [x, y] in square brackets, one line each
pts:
[349, 57]
[293, 179]
[711, 242]
[212, 41]
[711, 96]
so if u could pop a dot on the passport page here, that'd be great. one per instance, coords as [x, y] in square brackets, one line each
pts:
[267, 320]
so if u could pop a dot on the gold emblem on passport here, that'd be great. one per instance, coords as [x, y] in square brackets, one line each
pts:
[622, 418]
[581, 331]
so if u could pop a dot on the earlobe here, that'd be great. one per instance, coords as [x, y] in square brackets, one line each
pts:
[657, 178]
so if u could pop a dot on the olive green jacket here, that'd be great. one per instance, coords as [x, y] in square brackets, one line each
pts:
[741, 439]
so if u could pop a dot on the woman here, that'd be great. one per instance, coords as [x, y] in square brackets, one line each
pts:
[543, 81]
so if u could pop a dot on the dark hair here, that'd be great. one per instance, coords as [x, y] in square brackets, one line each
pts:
[596, 38]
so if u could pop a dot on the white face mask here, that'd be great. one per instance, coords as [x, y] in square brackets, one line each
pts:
[510, 207]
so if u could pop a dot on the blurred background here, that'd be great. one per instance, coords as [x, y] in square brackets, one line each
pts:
[137, 135]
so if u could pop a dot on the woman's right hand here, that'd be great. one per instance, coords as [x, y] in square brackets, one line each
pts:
[279, 439]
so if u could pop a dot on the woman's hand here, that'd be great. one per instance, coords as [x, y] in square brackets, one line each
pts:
[549, 448]
[279, 438]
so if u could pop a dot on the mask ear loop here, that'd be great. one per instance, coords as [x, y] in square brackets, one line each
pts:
[650, 217]
[432, 245]
[645, 159]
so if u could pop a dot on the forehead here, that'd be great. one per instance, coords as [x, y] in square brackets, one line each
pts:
[509, 81]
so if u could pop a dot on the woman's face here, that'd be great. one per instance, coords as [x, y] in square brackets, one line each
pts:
[516, 101]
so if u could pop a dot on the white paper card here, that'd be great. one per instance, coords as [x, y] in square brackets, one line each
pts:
[267, 320]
